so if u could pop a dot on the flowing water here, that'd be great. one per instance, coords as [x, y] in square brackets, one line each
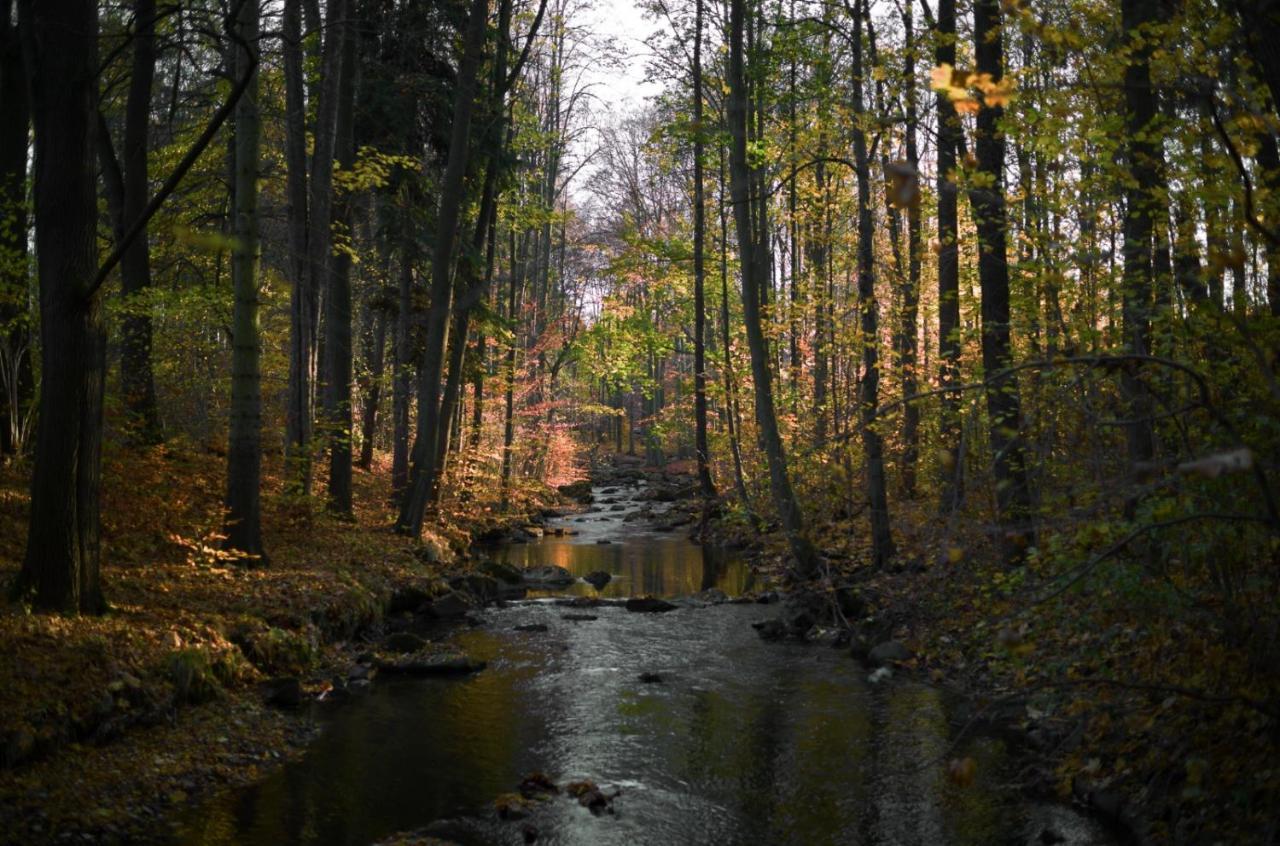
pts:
[741, 742]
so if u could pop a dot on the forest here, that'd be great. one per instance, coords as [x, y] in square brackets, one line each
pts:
[333, 331]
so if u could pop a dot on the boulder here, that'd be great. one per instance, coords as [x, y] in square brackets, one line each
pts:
[532, 627]
[579, 491]
[549, 574]
[598, 579]
[403, 642]
[450, 606]
[891, 651]
[649, 605]
[480, 585]
[651, 678]
[502, 571]
[579, 618]
[773, 629]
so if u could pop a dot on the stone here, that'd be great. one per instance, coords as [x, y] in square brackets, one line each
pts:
[403, 642]
[604, 541]
[502, 572]
[532, 627]
[283, 692]
[598, 579]
[713, 595]
[579, 491]
[770, 629]
[480, 585]
[651, 678]
[361, 672]
[649, 605]
[888, 652]
[579, 618]
[432, 665]
[449, 606]
[549, 574]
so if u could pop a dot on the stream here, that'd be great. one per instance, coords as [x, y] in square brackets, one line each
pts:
[739, 741]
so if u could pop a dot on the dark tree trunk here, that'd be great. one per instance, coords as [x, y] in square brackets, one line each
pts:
[1140, 200]
[949, 139]
[303, 302]
[337, 324]
[755, 276]
[1013, 500]
[699, 271]
[244, 455]
[136, 379]
[402, 381]
[422, 472]
[911, 291]
[373, 391]
[60, 571]
[17, 382]
[319, 246]
[877, 493]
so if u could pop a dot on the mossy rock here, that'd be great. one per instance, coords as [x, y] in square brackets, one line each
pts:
[193, 677]
[279, 652]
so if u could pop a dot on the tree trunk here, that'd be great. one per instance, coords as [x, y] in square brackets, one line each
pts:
[911, 292]
[402, 380]
[422, 471]
[136, 379]
[877, 494]
[949, 137]
[1003, 403]
[753, 256]
[699, 271]
[1140, 198]
[302, 295]
[60, 571]
[373, 392]
[337, 324]
[244, 455]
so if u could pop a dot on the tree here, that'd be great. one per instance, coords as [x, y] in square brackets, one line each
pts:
[422, 472]
[337, 323]
[244, 454]
[699, 269]
[754, 261]
[1013, 500]
[873, 446]
[61, 568]
[136, 378]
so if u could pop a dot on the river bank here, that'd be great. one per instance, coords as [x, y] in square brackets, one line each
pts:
[110, 725]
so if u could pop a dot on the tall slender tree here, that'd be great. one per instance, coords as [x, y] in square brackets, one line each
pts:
[754, 260]
[1004, 407]
[699, 268]
[244, 455]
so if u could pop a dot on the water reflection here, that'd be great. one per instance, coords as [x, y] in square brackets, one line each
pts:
[743, 742]
[658, 566]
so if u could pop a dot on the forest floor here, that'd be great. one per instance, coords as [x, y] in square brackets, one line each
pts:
[110, 724]
[1148, 719]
